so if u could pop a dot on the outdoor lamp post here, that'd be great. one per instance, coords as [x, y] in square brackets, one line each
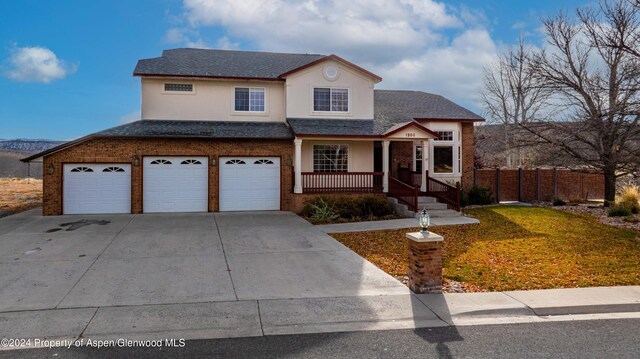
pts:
[425, 221]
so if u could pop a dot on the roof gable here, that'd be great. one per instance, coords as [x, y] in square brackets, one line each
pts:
[336, 58]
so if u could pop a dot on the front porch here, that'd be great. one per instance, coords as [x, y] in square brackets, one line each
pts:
[350, 165]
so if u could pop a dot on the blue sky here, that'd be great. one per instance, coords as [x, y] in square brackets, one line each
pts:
[66, 66]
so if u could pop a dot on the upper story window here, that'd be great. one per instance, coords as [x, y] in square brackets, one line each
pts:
[171, 87]
[249, 99]
[330, 99]
[444, 136]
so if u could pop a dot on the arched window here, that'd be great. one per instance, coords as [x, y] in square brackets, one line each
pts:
[235, 162]
[263, 162]
[190, 162]
[82, 169]
[160, 162]
[113, 169]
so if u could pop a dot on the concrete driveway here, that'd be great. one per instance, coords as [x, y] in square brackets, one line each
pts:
[131, 260]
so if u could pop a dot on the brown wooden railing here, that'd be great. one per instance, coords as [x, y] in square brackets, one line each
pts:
[406, 175]
[342, 182]
[444, 192]
[404, 193]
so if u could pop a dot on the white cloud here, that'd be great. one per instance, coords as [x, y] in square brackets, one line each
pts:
[133, 116]
[36, 64]
[453, 70]
[412, 44]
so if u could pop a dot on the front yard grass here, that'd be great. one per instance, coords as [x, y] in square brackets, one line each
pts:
[19, 194]
[518, 248]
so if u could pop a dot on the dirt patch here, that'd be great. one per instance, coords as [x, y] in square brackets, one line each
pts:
[19, 194]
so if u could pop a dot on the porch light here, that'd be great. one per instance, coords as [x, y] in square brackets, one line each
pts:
[50, 169]
[136, 161]
[425, 221]
[213, 162]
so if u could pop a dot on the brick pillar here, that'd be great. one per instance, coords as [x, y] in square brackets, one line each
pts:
[425, 262]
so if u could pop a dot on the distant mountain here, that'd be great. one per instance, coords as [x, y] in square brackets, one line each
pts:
[11, 151]
[28, 145]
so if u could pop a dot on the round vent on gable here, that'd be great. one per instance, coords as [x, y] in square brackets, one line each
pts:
[331, 73]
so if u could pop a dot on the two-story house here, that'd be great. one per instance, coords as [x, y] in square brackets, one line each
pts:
[240, 130]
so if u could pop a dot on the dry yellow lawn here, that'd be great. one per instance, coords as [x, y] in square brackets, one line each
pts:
[19, 194]
[518, 248]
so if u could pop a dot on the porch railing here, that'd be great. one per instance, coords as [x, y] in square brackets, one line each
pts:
[404, 193]
[408, 176]
[342, 182]
[444, 192]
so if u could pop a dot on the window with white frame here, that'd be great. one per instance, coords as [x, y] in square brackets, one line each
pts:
[249, 99]
[418, 158]
[330, 99]
[442, 159]
[444, 136]
[330, 158]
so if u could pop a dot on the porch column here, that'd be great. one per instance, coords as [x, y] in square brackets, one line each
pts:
[297, 166]
[425, 164]
[385, 166]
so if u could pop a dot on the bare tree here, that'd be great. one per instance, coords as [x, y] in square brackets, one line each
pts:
[511, 96]
[590, 66]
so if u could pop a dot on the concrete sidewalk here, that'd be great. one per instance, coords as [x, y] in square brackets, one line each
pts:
[316, 315]
[392, 224]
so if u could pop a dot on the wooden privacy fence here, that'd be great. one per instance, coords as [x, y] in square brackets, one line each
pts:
[540, 184]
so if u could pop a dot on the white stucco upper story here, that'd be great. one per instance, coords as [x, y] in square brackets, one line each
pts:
[329, 89]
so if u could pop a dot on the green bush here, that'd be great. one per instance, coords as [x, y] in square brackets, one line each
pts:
[322, 212]
[375, 206]
[558, 202]
[346, 208]
[619, 211]
[476, 195]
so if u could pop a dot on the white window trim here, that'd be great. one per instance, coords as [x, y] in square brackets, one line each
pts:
[233, 99]
[164, 92]
[452, 140]
[432, 161]
[330, 144]
[331, 113]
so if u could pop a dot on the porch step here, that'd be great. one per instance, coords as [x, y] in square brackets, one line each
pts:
[431, 206]
[436, 210]
[427, 199]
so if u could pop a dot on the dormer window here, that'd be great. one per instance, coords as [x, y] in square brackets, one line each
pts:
[249, 99]
[330, 99]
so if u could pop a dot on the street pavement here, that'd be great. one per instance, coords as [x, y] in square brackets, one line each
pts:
[584, 339]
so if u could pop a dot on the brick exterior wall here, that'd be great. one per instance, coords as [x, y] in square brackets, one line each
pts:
[541, 184]
[111, 150]
[401, 154]
[468, 155]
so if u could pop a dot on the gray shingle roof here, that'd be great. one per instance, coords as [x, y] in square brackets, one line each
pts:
[223, 63]
[196, 129]
[313, 126]
[392, 107]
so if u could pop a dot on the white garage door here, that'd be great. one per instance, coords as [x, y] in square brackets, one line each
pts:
[96, 188]
[175, 184]
[249, 183]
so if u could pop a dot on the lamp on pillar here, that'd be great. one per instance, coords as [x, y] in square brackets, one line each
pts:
[425, 222]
